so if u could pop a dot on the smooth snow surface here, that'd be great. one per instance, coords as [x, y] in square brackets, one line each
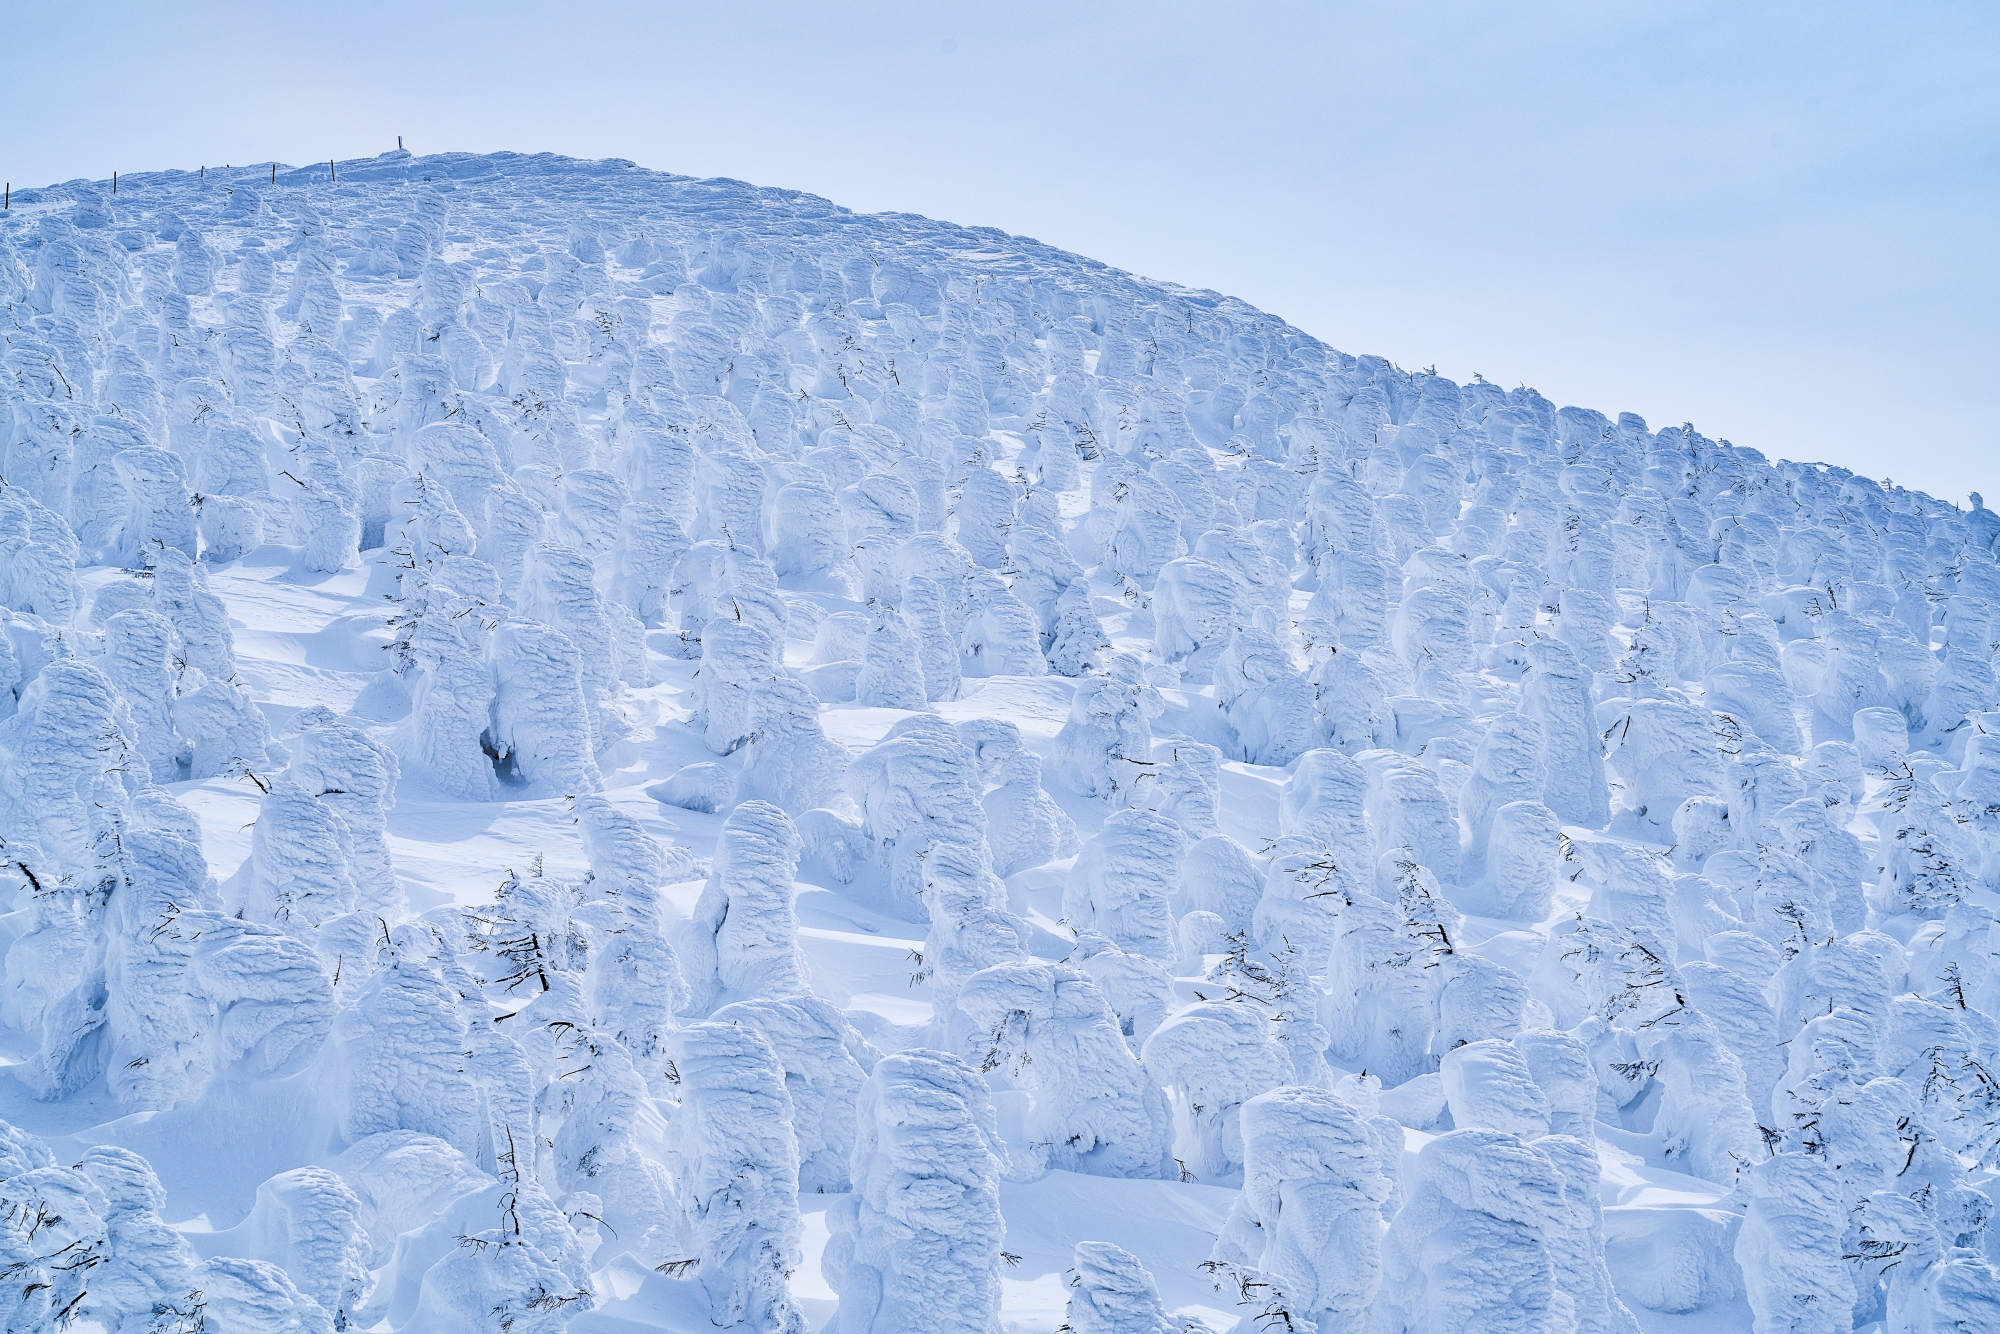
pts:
[583, 749]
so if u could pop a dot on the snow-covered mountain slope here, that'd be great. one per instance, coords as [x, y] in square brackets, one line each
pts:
[587, 749]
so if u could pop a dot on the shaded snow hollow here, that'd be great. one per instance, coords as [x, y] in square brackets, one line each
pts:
[589, 749]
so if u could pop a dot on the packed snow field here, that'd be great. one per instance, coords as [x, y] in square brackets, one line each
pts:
[584, 749]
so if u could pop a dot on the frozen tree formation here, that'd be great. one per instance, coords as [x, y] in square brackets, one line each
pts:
[584, 748]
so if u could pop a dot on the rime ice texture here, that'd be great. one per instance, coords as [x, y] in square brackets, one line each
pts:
[541, 672]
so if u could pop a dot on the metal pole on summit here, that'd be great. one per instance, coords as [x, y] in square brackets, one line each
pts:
[274, 173]
[114, 182]
[333, 171]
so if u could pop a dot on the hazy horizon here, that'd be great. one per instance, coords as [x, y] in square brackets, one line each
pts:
[1779, 226]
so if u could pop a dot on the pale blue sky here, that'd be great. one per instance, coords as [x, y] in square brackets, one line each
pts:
[1778, 221]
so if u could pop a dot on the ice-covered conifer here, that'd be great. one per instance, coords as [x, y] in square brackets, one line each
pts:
[1078, 645]
[1659, 752]
[181, 594]
[1559, 1063]
[1933, 1050]
[650, 545]
[1044, 568]
[1381, 944]
[1705, 1119]
[1899, 1247]
[970, 926]
[788, 760]
[737, 661]
[1197, 605]
[1215, 1056]
[1122, 887]
[1406, 810]
[1488, 1085]
[308, 1223]
[140, 649]
[718, 580]
[451, 706]
[892, 672]
[742, 939]
[402, 1047]
[1824, 974]
[39, 572]
[1325, 801]
[223, 727]
[1024, 824]
[918, 788]
[805, 533]
[1049, 1027]
[159, 513]
[1310, 1213]
[1268, 703]
[1556, 694]
[739, 1176]
[146, 1270]
[1218, 876]
[1576, 1243]
[1351, 705]
[824, 1062]
[1139, 991]
[1477, 998]
[917, 1243]
[981, 517]
[510, 1277]
[1143, 519]
[1701, 828]
[927, 615]
[1789, 1246]
[240, 1296]
[1110, 1292]
[324, 520]
[1882, 737]
[635, 979]
[1184, 784]
[1109, 731]
[1523, 850]
[1507, 767]
[1925, 866]
[1471, 1247]
[1001, 637]
[557, 588]
[403, 1178]
[70, 727]
[355, 776]
[541, 720]
[1834, 1054]
[301, 857]
[51, 1236]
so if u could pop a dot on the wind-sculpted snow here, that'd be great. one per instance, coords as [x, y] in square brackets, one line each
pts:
[585, 749]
